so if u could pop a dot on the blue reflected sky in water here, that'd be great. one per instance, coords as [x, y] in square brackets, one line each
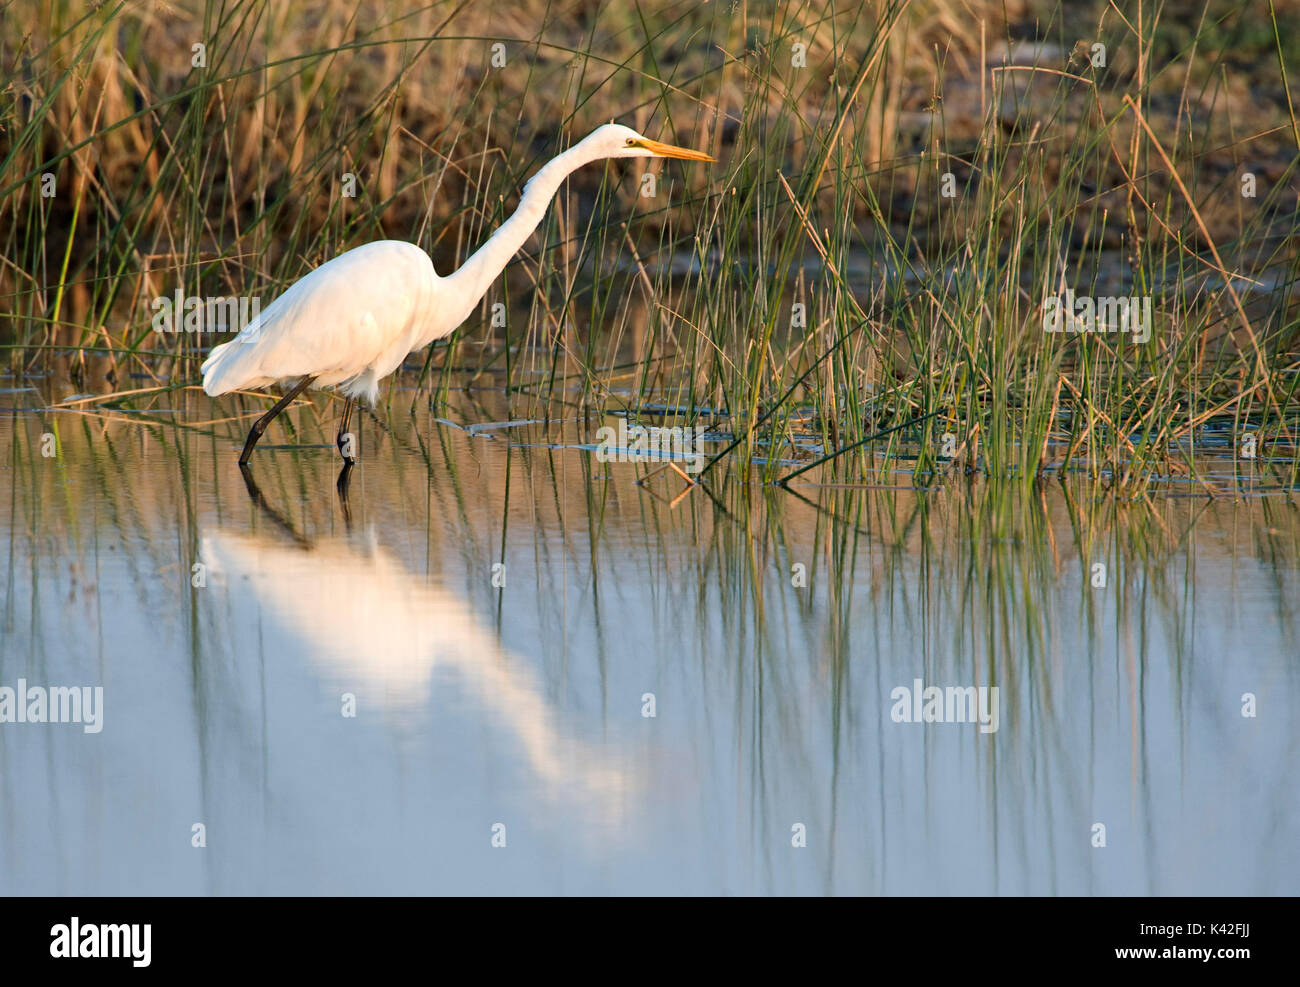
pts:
[522, 706]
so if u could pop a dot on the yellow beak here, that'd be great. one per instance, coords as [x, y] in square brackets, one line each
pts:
[672, 151]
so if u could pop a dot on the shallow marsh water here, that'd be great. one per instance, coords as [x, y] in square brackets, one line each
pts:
[522, 705]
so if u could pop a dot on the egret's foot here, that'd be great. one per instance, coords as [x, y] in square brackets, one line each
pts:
[347, 440]
[347, 444]
[259, 426]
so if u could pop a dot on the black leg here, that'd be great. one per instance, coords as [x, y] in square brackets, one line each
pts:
[342, 440]
[259, 426]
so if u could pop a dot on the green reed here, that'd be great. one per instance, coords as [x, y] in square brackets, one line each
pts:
[226, 178]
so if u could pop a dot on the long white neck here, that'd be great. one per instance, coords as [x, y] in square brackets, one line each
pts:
[473, 278]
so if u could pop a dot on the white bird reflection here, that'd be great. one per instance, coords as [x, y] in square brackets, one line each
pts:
[379, 632]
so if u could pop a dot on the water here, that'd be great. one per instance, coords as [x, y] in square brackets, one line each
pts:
[521, 706]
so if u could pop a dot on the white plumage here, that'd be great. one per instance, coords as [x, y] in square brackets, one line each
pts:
[353, 320]
[349, 323]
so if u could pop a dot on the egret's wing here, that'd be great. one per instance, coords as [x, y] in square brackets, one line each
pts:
[334, 323]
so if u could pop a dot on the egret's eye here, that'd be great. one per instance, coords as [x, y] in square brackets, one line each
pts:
[630, 142]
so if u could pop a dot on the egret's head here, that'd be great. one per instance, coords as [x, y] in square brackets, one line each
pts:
[616, 141]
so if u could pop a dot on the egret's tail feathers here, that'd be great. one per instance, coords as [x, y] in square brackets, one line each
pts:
[238, 362]
[211, 370]
[231, 366]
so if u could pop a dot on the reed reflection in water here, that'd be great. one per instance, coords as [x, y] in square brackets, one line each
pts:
[522, 704]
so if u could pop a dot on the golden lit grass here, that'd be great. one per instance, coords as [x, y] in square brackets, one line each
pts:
[228, 178]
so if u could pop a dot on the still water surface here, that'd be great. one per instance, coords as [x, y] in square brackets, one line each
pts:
[523, 705]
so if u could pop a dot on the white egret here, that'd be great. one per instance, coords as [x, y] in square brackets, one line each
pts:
[353, 320]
